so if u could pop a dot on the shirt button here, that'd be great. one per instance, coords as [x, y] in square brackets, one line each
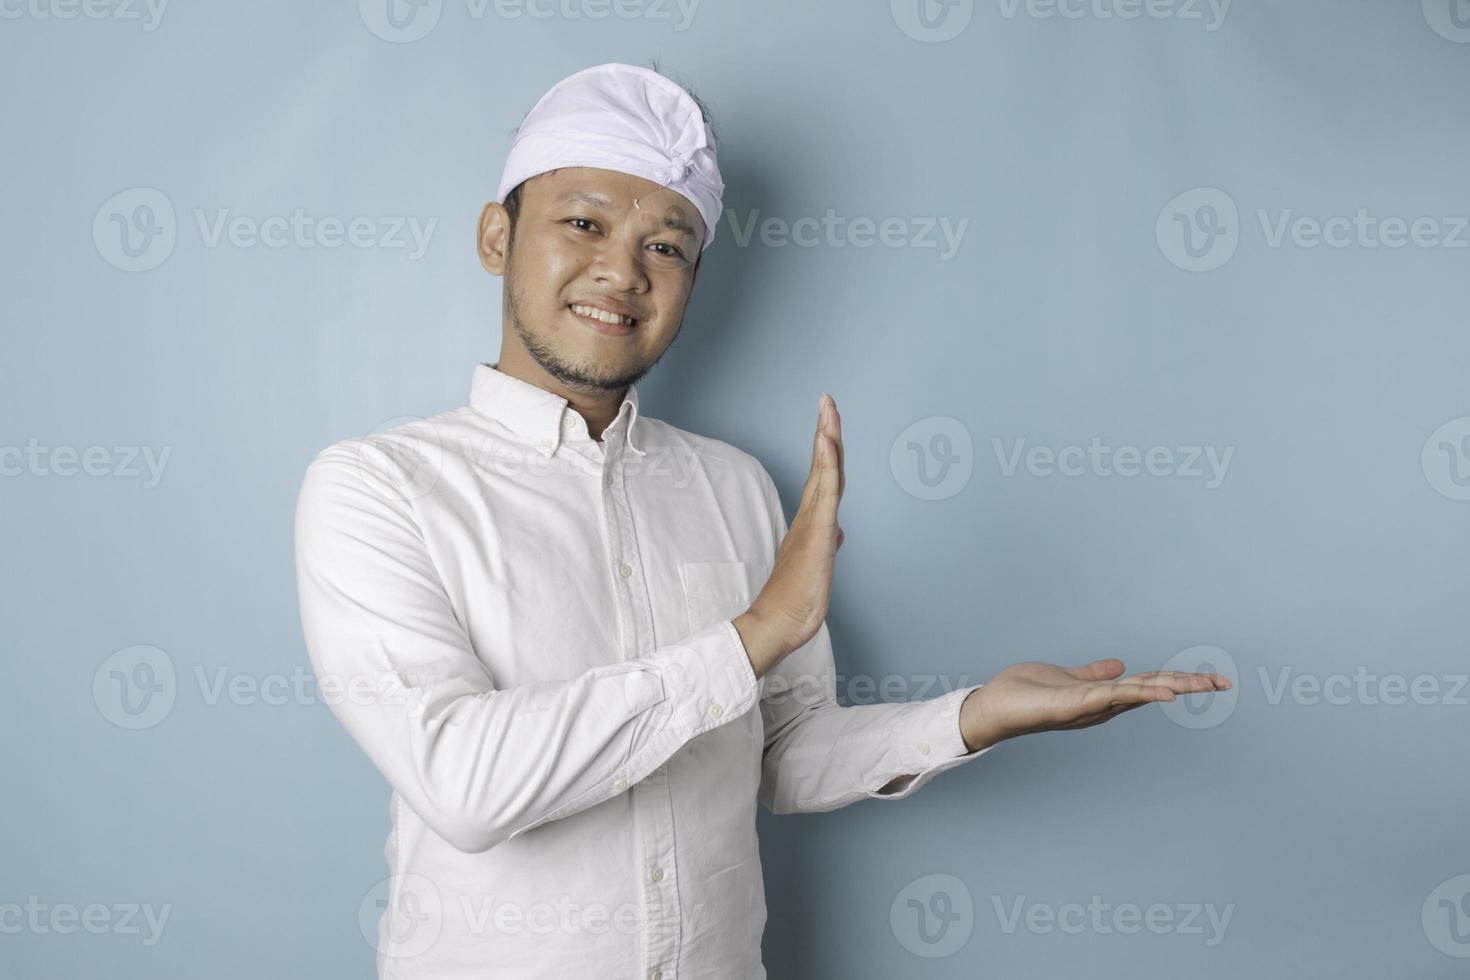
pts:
[545, 443]
[658, 874]
[924, 747]
[716, 710]
[624, 569]
[607, 480]
[656, 975]
[620, 784]
[569, 421]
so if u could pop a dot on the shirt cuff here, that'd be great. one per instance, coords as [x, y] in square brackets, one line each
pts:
[929, 742]
[709, 679]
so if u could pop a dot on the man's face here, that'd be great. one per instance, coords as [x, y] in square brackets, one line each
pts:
[584, 237]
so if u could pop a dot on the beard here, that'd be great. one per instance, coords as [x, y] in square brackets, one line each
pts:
[587, 378]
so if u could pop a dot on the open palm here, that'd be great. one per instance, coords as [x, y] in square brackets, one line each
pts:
[1035, 697]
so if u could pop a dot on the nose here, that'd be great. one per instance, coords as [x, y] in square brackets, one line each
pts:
[619, 264]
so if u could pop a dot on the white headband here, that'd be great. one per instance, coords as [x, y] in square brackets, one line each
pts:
[625, 118]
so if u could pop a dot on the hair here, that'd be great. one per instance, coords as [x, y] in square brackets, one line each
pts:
[513, 199]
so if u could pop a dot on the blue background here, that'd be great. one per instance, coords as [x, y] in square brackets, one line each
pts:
[1334, 544]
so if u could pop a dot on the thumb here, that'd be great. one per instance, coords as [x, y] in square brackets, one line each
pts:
[1098, 670]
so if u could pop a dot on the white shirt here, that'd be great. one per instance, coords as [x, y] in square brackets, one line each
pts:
[529, 633]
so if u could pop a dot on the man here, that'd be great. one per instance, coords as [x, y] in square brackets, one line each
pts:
[581, 643]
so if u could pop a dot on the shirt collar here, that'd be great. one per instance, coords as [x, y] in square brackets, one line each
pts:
[536, 414]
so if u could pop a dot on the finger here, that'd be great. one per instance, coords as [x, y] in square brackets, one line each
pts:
[1114, 695]
[1182, 682]
[829, 484]
[814, 475]
[834, 431]
[1098, 670]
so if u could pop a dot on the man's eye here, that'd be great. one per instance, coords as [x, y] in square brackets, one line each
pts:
[587, 221]
[674, 252]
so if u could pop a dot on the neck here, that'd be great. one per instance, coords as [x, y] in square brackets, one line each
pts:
[597, 407]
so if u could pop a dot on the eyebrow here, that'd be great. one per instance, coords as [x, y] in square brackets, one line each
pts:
[672, 220]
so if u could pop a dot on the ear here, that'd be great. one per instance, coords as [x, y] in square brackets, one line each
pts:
[493, 237]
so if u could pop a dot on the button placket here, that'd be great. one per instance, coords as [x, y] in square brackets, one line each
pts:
[651, 796]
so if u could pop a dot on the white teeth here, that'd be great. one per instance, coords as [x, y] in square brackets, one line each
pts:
[602, 315]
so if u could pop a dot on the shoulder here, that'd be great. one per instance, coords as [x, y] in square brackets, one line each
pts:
[393, 465]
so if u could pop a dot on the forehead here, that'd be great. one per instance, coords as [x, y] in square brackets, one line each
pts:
[613, 191]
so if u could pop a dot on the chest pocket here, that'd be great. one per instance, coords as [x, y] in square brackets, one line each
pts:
[715, 591]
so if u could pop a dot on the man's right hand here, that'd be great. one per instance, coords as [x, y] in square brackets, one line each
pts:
[793, 604]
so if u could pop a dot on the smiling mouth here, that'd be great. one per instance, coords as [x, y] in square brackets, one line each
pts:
[603, 322]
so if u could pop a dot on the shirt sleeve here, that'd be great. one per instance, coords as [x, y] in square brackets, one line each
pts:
[480, 765]
[820, 755]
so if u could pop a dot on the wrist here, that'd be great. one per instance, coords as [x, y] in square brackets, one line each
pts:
[976, 732]
[762, 644]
